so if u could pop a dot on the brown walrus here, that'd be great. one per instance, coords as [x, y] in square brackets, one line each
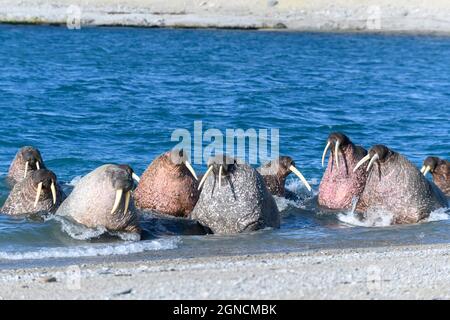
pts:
[39, 192]
[103, 198]
[340, 183]
[275, 173]
[168, 186]
[396, 186]
[27, 160]
[440, 170]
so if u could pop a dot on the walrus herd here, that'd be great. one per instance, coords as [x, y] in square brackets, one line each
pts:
[231, 196]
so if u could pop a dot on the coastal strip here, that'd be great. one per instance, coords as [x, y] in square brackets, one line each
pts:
[409, 16]
[409, 272]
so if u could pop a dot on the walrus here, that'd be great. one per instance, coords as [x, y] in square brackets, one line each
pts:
[27, 160]
[341, 183]
[168, 186]
[103, 198]
[440, 170]
[395, 185]
[234, 198]
[39, 192]
[275, 173]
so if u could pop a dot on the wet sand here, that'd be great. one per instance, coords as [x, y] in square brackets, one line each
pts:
[411, 272]
[413, 16]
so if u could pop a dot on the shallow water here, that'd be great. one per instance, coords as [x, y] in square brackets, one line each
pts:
[102, 95]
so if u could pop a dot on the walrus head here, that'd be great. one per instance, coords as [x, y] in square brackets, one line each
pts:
[103, 198]
[180, 161]
[341, 183]
[27, 160]
[429, 165]
[234, 198]
[378, 153]
[39, 192]
[276, 171]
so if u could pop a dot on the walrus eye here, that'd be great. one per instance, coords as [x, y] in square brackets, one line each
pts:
[301, 177]
[204, 177]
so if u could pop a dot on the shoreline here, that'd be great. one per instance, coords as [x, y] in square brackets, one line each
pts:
[408, 272]
[365, 16]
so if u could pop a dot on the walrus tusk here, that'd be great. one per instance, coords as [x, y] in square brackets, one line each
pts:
[26, 170]
[38, 194]
[52, 187]
[220, 176]
[188, 165]
[374, 158]
[204, 177]
[423, 169]
[38, 166]
[127, 201]
[136, 177]
[301, 177]
[336, 153]
[325, 153]
[361, 162]
[426, 170]
[119, 194]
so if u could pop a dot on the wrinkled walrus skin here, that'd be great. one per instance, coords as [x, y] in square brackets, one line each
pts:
[396, 185]
[339, 186]
[167, 187]
[22, 197]
[16, 172]
[241, 204]
[93, 198]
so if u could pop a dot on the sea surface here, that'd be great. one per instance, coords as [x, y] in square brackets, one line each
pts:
[115, 95]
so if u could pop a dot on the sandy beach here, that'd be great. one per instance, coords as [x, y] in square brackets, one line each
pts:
[413, 16]
[415, 272]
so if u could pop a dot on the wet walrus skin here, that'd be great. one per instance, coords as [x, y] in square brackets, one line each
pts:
[92, 200]
[395, 185]
[275, 173]
[340, 185]
[22, 198]
[19, 169]
[440, 170]
[168, 186]
[241, 203]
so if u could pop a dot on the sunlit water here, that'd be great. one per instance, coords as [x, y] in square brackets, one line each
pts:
[103, 95]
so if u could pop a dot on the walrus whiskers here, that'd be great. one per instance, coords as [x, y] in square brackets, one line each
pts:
[301, 177]
[336, 153]
[204, 177]
[38, 194]
[26, 170]
[119, 194]
[188, 165]
[361, 162]
[325, 153]
[374, 158]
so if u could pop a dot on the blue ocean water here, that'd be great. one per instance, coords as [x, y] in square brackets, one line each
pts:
[102, 95]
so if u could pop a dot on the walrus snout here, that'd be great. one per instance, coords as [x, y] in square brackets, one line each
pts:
[221, 166]
[180, 159]
[378, 153]
[32, 159]
[122, 182]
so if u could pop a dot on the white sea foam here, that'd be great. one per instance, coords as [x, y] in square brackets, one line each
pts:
[376, 218]
[301, 195]
[95, 250]
[438, 215]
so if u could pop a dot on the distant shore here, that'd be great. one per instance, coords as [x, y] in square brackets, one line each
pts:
[409, 16]
[409, 272]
